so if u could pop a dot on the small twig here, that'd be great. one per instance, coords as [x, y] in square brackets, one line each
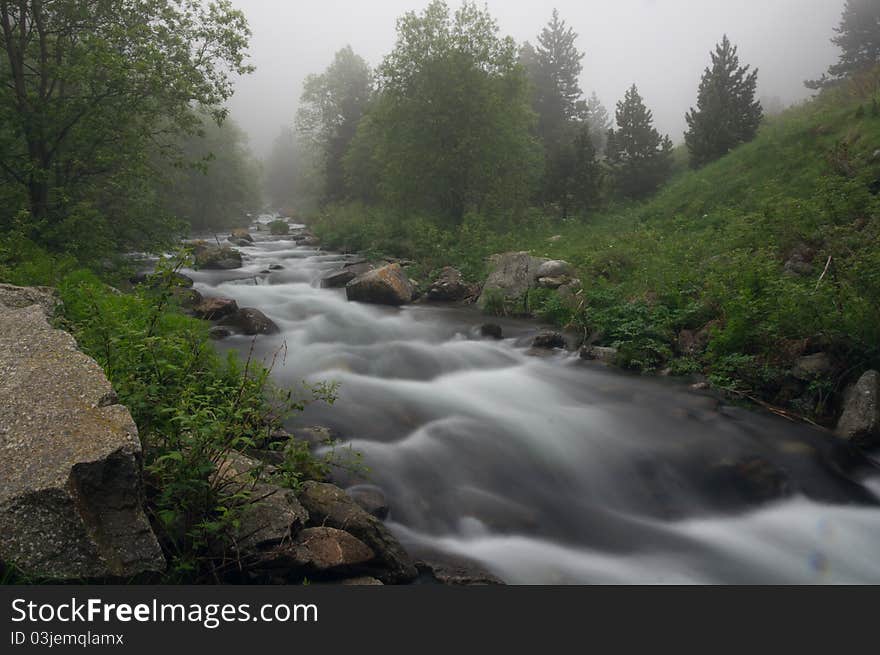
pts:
[790, 416]
[824, 273]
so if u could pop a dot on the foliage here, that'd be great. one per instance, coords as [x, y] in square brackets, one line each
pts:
[414, 149]
[710, 246]
[639, 157]
[217, 180]
[194, 411]
[279, 228]
[858, 37]
[331, 106]
[727, 114]
[89, 90]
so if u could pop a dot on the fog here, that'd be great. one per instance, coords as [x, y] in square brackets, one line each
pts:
[661, 45]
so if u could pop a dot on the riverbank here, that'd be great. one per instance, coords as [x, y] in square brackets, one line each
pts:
[546, 468]
[757, 272]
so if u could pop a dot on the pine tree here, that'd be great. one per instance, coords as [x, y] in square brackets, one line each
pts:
[640, 158]
[599, 122]
[727, 113]
[559, 66]
[858, 36]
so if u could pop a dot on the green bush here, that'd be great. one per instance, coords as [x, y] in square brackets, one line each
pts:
[194, 410]
[279, 228]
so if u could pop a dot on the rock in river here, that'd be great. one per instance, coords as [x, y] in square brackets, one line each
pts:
[860, 421]
[388, 285]
[330, 506]
[71, 493]
[213, 309]
[250, 321]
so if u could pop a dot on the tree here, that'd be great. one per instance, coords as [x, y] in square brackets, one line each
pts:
[640, 158]
[599, 122]
[332, 105]
[554, 68]
[450, 129]
[558, 69]
[727, 113]
[218, 182]
[858, 36]
[292, 174]
[87, 88]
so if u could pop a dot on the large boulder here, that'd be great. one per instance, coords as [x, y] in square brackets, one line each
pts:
[214, 309]
[449, 287]
[19, 297]
[330, 506]
[71, 491]
[250, 321]
[319, 552]
[388, 285]
[338, 279]
[554, 268]
[512, 275]
[216, 257]
[371, 498]
[860, 421]
[241, 234]
[271, 515]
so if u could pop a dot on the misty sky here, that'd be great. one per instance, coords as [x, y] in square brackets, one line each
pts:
[661, 45]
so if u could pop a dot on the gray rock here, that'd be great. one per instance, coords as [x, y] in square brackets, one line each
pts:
[449, 287]
[549, 341]
[860, 421]
[552, 282]
[363, 581]
[213, 309]
[19, 297]
[250, 321]
[458, 572]
[272, 514]
[218, 333]
[599, 354]
[316, 435]
[330, 506]
[554, 268]
[71, 492]
[811, 367]
[338, 279]
[491, 330]
[384, 286]
[371, 498]
[512, 275]
[216, 257]
[319, 551]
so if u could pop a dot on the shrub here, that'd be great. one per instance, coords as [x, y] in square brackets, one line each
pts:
[279, 228]
[194, 410]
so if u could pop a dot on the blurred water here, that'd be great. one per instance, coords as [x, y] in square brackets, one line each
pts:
[550, 469]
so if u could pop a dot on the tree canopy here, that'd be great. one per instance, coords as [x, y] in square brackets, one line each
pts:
[331, 106]
[858, 37]
[450, 130]
[92, 89]
[639, 157]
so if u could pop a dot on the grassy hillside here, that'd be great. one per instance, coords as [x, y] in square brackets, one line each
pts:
[709, 253]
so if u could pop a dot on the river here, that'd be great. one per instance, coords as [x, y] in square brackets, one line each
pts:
[549, 469]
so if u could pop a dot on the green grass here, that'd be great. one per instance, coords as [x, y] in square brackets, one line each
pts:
[712, 245]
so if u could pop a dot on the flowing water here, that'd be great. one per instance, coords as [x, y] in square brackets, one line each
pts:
[550, 469]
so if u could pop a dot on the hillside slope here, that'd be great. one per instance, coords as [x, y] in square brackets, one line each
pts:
[737, 271]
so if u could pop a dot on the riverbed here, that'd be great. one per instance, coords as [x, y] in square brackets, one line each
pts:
[544, 468]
